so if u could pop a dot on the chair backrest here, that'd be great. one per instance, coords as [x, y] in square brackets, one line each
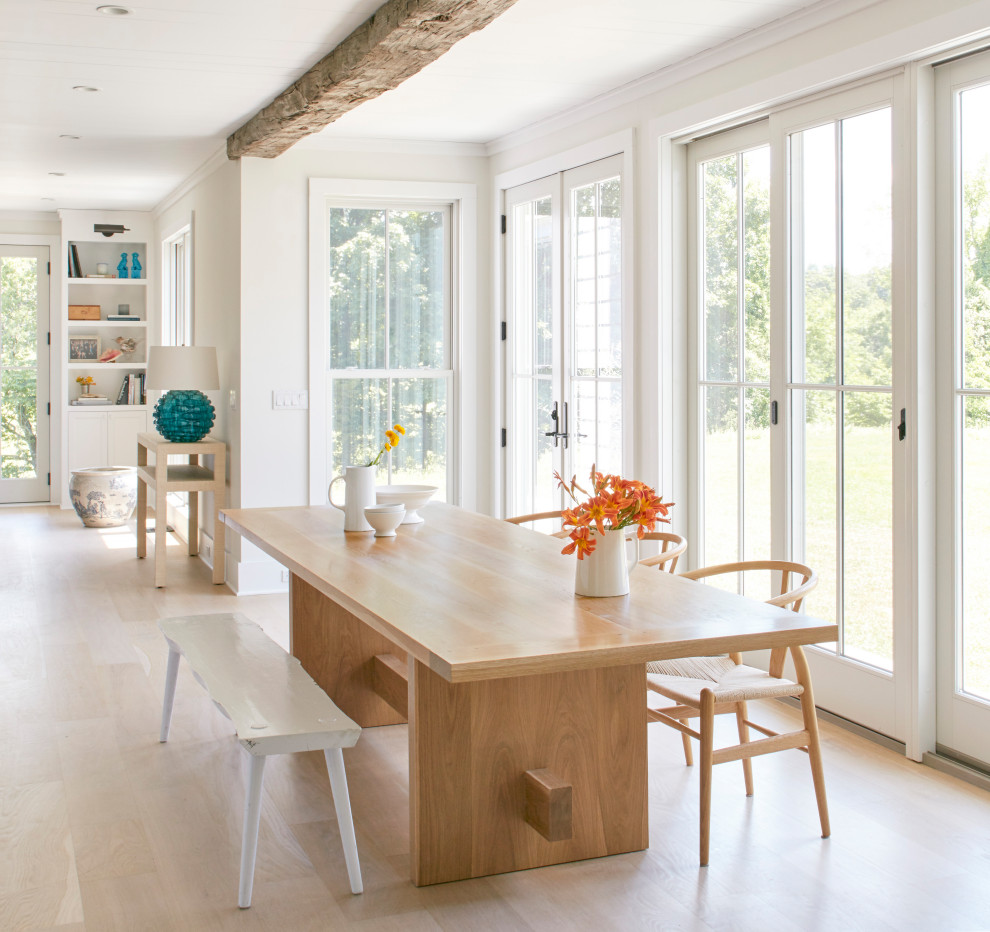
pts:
[672, 546]
[796, 579]
[540, 516]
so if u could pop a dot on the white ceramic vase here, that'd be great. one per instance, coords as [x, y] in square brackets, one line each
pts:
[359, 493]
[605, 572]
[104, 496]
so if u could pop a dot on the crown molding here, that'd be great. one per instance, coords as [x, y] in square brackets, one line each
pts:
[212, 163]
[754, 41]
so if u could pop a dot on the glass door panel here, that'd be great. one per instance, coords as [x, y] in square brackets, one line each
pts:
[732, 510]
[24, 322]
[963, 515]
[533, 303]
[564, 309]
[840, 398]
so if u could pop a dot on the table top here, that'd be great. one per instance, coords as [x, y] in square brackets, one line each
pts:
[475, 598]
[154, 441]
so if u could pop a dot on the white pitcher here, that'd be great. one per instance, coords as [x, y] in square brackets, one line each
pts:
[605, 572]
[359, 493]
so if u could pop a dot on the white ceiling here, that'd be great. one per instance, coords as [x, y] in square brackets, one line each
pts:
[176, 77]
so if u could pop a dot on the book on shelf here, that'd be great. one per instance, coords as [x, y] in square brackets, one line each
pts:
[74, 269]
[122, 317]
[122, 394]
[92, 400]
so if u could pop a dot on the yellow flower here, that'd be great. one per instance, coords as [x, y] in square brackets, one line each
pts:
[399, 428]
[392, 438]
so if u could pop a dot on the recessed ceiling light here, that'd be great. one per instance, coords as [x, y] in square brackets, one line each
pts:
[68, 136]
[57, 174]
[86, 90]
[113, 10]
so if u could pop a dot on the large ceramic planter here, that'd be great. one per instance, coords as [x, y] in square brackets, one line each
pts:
[104, 496]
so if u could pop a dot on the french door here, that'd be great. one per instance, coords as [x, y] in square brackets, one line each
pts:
[564, 332]
[794, 372]
[24, 368]
[963, 332]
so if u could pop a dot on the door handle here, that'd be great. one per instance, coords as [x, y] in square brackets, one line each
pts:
[557, 433]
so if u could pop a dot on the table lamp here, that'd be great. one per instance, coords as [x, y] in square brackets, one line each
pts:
[183, 414]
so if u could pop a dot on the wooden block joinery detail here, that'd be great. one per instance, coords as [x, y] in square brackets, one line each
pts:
[548, 804]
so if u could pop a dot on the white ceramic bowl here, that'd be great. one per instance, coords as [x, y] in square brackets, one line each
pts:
[413, 497]
[384, 518]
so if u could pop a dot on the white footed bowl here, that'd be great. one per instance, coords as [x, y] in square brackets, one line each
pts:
[413, 497]
[384, 518]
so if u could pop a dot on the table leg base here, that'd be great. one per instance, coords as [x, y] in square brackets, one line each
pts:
[471, 745]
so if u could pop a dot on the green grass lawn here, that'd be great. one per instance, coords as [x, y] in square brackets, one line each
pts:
[867, 536]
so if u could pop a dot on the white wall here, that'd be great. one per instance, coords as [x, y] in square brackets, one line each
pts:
[36, 224]
[213, 205]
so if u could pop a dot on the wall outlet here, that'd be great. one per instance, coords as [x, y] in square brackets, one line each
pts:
[285, 576]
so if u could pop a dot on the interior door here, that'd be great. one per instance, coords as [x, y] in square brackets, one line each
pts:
[24, 374]
[565, 400]
[963, 308]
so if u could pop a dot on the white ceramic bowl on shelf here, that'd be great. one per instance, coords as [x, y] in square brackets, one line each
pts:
[413, 497]
[384, 518]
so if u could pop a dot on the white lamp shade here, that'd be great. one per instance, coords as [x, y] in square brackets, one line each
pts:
[182, 367]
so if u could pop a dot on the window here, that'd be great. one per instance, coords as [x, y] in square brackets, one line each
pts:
[389, 338]
[177, 288]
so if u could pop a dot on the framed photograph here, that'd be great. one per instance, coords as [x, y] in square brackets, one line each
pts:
[84, 348]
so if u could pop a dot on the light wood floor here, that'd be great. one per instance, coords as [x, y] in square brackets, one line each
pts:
[103, 828]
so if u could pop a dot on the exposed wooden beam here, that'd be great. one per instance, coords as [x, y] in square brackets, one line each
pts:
[400, 39]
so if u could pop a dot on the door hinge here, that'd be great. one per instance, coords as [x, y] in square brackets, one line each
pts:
[49, 478]
[49, 409]
[503, 436]
[902, 427]
[503, 223]
[49, 268]
[49, 338]
[503, 329]
[773, 412]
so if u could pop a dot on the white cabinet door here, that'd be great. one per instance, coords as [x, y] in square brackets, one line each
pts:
[124, 426]
[87, 439]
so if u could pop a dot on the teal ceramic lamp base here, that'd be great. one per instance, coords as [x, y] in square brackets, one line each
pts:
[183, 415]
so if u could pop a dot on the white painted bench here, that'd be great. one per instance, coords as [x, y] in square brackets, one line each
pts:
[275, 707]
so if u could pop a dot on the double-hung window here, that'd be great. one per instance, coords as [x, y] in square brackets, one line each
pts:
[387, 319]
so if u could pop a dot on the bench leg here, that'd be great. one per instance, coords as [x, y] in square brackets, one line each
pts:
[171, 672]
[249, 839]
[345, 823]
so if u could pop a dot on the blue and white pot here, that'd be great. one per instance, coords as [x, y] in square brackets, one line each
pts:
[104, 496]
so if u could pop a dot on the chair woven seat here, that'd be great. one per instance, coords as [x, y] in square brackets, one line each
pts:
[683, 680]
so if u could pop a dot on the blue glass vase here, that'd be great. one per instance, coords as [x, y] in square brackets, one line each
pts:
[183, 415]
[122, 266]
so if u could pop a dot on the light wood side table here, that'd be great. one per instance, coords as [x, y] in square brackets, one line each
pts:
[163, 478]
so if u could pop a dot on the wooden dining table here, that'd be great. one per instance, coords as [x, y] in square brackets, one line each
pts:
[526, 704]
